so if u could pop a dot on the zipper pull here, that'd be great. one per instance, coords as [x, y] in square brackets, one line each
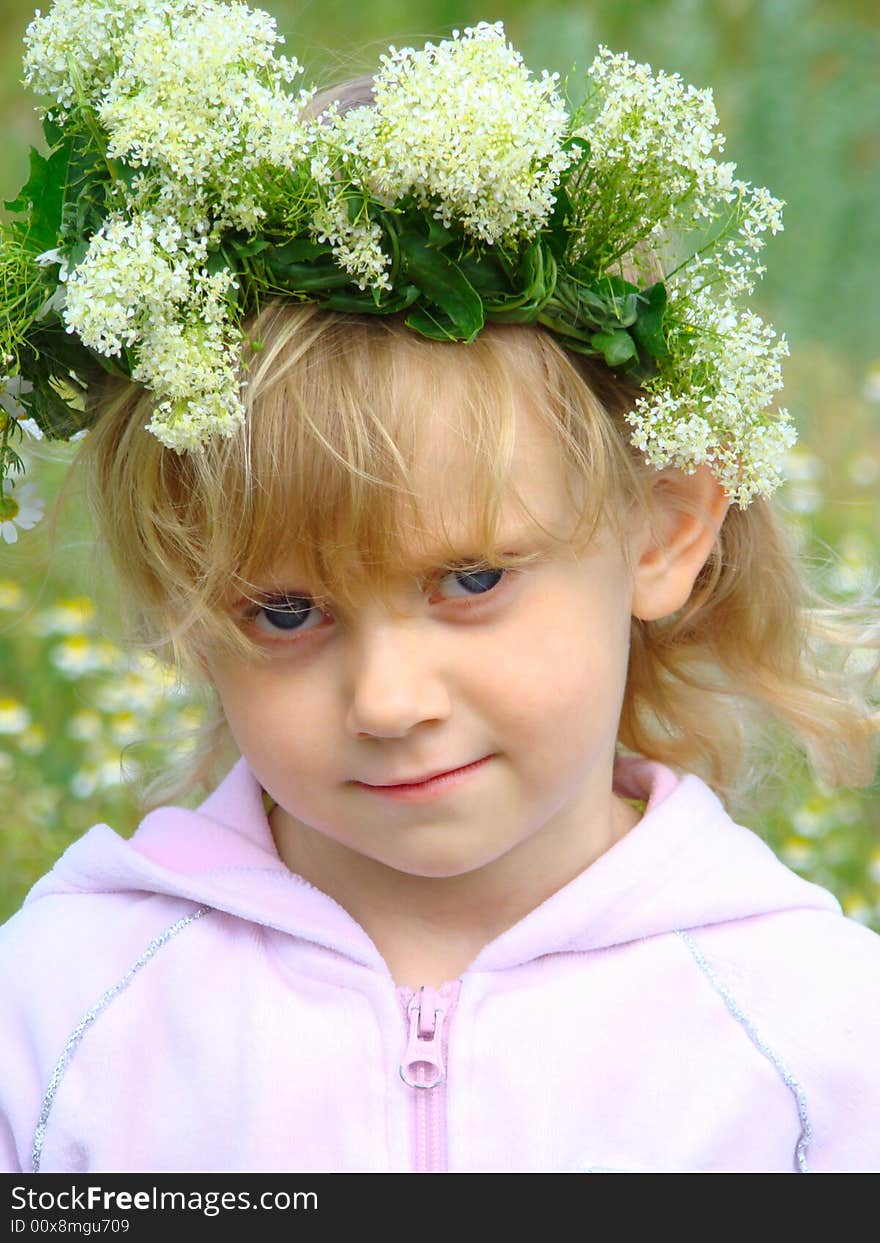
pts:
[424, 1046]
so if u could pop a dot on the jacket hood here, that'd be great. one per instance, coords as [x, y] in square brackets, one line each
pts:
[685, 865]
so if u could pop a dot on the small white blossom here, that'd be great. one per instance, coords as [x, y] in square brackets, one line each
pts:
[20, 509]
[79, 655]
[11, 388]
[14, 716]
[356, 244]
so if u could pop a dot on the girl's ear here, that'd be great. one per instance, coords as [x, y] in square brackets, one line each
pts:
[689, 511]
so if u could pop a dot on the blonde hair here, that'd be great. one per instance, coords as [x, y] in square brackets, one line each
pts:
[323, 467]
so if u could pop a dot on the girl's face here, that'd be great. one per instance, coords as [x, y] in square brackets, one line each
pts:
[519, 674]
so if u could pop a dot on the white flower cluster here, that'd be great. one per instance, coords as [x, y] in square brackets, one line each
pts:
[194, 96]
[715, 414]
[143, 284]
[464, 128]
[652, 171]
[201, 101]
[77, 46]
[652, 180]
[357, 244]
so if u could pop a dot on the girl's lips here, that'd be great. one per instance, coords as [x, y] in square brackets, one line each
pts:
[434, 786]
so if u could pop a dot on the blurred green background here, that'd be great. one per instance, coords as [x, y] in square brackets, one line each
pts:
[798, 91]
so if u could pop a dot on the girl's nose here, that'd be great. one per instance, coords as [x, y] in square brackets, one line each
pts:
[394, 685]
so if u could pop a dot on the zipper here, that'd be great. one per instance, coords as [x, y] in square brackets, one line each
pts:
[423, 1069]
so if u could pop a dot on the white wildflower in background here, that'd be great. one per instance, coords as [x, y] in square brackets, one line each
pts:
[20, 509]
[79, 655]
[104, 769]
[803, 490]
[144, 685]
[85, 726]
[14, 716]
[41, 806]
[32, 741]
[11, 389]
[864, 470]
[71, 616]
[871, 388]
[124, 727]
[853, 571]
[464, 127]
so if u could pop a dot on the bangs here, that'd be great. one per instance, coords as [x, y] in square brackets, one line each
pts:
[368, 455]
[376, 454]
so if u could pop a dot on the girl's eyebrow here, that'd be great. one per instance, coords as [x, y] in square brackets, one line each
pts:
[515, 539]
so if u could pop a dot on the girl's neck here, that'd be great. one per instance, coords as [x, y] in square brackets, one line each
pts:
[430, 928]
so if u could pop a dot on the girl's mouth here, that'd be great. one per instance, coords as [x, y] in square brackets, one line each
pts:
[432, 787]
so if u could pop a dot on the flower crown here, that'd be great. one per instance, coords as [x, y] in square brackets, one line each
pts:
[187, 182]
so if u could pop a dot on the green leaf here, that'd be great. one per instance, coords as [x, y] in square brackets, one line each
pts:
[42, 196]
[365, 303]
[246, 247]
[615, 286]
[438, 234]
[616, 347]
[486, 275]
[627, 309]
[300, 250]
[307, 277]
[434, 323]
[648, 328]
[444, 283]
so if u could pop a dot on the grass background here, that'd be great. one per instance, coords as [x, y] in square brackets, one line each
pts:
[799, 97]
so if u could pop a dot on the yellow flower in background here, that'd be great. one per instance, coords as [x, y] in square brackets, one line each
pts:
[874, 867]
[78, 655]
[14, 716]
[67, 617]
[105, 768]
[871, 389]
[191, 717]
[12, 597]
[32, 740]
[85, 726]
[797, 852]
[125, 727]
[855, 906]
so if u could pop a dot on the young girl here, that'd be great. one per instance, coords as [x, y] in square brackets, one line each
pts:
[477, 610]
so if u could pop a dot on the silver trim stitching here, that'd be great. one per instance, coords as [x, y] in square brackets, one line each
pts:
[86, 1022]
[785, 1074]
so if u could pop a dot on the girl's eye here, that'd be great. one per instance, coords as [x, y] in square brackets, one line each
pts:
[473, 582]
[287, 614]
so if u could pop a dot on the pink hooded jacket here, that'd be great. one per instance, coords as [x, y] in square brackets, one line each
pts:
[183, 1002]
